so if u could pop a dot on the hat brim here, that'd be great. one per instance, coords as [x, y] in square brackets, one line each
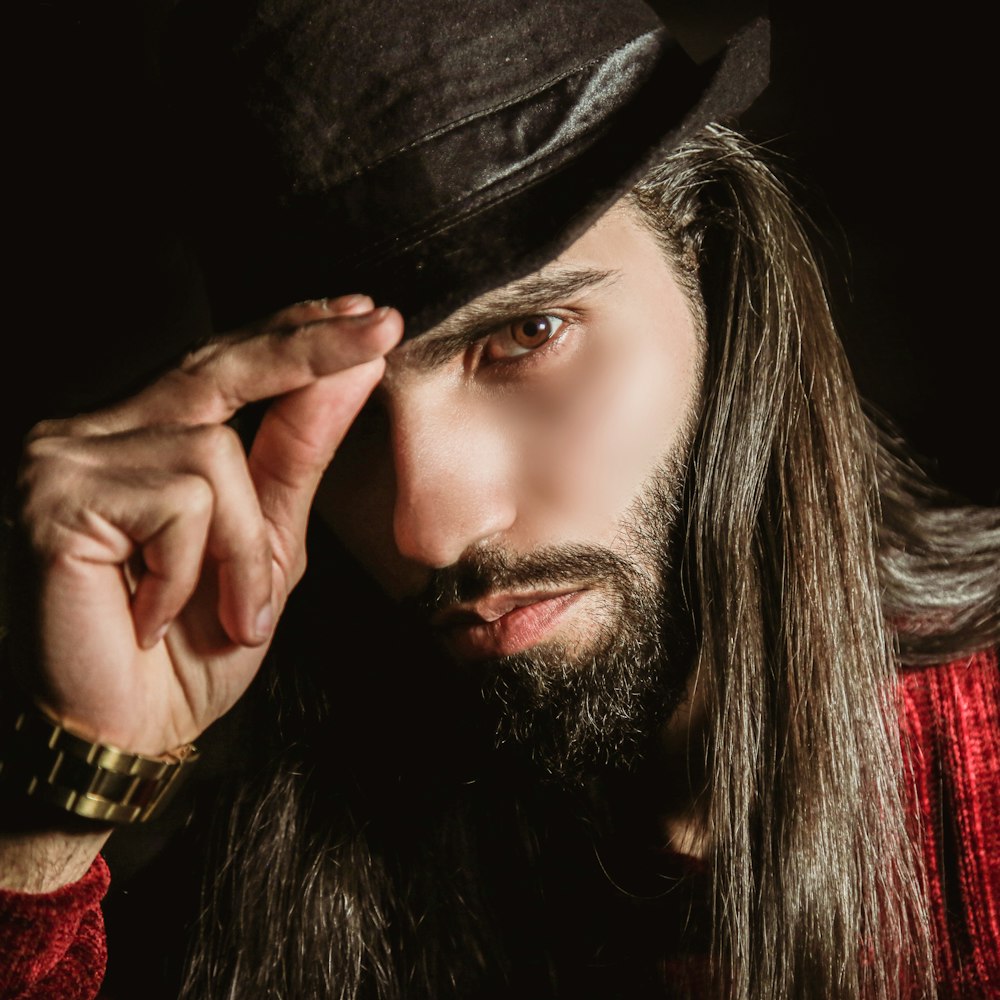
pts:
[495, 240]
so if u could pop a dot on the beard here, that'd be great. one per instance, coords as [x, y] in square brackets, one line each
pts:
[577, 711]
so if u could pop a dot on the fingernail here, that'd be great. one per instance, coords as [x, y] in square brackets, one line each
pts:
[350, 303]
[264, 622]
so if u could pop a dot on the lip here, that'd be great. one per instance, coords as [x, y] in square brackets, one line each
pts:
[503, 624]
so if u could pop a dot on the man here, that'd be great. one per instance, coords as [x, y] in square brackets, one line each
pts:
[632, 495]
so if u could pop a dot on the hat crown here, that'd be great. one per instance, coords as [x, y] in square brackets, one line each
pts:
[324, 90]
[422, 151]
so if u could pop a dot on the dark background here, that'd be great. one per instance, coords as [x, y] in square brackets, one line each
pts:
[886, 120]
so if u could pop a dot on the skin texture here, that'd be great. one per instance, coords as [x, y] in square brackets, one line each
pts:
[504, 449]
[526, 498]
[159, 481]
[149, 517]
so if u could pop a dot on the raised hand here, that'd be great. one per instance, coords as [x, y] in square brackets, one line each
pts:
[165, 553]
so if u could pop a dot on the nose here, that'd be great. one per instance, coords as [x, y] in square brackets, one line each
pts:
[452, 476]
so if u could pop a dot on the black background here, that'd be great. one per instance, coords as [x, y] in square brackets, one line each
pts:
[887, 121]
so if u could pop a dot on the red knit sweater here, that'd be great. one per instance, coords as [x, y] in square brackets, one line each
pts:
[52, 945]
[951, 725]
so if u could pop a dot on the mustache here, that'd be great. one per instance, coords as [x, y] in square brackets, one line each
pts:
[490, 570]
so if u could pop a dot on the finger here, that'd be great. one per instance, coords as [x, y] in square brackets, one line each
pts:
[115, 419]
[219, 379]
[99, 517]
[172, 560]
[318, 309]
[296, 442]
[238, 545]
[237, 541]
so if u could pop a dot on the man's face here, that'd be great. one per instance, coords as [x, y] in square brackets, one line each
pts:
[516, 477]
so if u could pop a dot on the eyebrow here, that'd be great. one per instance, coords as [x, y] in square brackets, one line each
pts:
[484, 315]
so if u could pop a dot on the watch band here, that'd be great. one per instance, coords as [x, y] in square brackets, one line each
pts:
[42, 759]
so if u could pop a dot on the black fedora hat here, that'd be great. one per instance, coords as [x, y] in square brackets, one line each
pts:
[423, 151]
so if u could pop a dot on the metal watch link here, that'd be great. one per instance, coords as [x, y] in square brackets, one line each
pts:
[43, 760]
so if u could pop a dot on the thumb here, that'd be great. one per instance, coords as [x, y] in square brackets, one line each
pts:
[295, 443]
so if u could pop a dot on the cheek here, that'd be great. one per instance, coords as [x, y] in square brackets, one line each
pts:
[631, 407]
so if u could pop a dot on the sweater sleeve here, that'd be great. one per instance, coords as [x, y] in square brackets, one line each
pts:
[52, 944]
[952, 724]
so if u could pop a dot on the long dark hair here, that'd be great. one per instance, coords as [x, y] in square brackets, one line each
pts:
[816, 557]
[802, 513]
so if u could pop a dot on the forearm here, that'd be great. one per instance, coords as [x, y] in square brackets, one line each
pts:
[41, 857]
[51, 938]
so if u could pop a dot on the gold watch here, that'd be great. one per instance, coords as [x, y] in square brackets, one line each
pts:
[42, 759]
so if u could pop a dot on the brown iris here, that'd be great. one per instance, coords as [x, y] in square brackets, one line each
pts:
[532, 332]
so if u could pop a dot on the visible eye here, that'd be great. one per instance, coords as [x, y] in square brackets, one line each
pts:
[522, 336]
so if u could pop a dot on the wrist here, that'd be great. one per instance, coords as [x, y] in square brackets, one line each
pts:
[44, 849]
[43, 761]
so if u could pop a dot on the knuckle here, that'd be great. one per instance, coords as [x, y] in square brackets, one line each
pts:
[46, 498]
[40, 523]
[197, 360]
[42, 459]
[194, 494]
[216, 443]
[44, 429]
[30, 494]
[70, 427]
[39, 452]
[189, 390]
[35, 525]
[40, 478]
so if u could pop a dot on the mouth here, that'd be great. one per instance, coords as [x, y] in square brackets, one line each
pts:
[503, 624]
